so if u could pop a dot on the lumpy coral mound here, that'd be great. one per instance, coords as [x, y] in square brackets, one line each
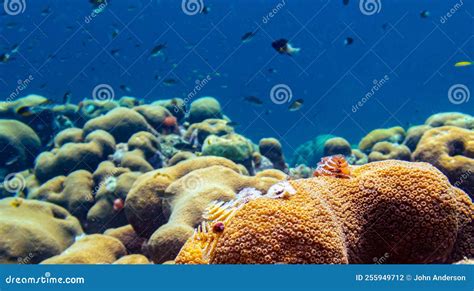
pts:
[406, 212]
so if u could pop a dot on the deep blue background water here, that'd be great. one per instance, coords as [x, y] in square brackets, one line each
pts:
[417, 54]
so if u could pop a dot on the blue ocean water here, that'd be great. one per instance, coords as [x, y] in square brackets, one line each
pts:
[66, 46]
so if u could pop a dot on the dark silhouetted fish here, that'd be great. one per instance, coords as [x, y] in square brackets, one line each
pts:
[67, 97]
[205, 10]
[248, 36]
[157, 50]
[282, 46]
[425, 14]
[296, 105]
[170, 82]
[253, 100]
[348, 41]
[125, 88]
[345, 2]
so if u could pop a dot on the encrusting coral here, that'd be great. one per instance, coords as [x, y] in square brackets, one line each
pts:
[394, 135]
[198, 132]
[204, 108]
[408, 210]
[271, 148]
[145, 208]
[95, 147]
[31, 231]
[121, 123]
[188, 198]
[91, 249]
[385, 150]
[337, 146]
[19, 146]
[234, 147]
[451, 150]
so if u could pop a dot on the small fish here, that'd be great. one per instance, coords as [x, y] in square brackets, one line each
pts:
[205, 10]
[272, 70]
[385, 26]
[5, 57]
[115, 52]
[425, 14]
[67, 97]
[115, 32]
[125, 88]
[25, 111]
[183, 146]
[348, 41]
[170, 82]
[12, 161]
[42, 86]
[248, 36]
[16, 202]
[97, 3]
[296, 105]
[157, 50]
[345, 2]
[463, 64]
[46, 11]
[253, 100]
[282, 46]
[118, 204]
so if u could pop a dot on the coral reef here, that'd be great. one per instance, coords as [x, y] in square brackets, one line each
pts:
[232, 146]
[19, 146]
[121, 123]
[337, 146]
[129, 182]
[394, 135]
[451, 118]
[385, 150]
[414, 135]
[204, 108]
[408, 210]
[145, 206]
[310, 152]
[94, 148]
[189, 197]
[31, 231]
[91, 249]
[271, 148]
[451, 150]
[198, 132]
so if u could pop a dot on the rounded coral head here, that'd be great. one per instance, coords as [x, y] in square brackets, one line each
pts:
[170, 121]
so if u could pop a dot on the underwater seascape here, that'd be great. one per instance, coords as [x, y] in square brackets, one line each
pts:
[236, 132]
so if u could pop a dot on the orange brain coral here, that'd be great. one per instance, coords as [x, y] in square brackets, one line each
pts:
[406, 212]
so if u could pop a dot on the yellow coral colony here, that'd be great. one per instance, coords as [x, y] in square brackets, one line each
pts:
[408, 210]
